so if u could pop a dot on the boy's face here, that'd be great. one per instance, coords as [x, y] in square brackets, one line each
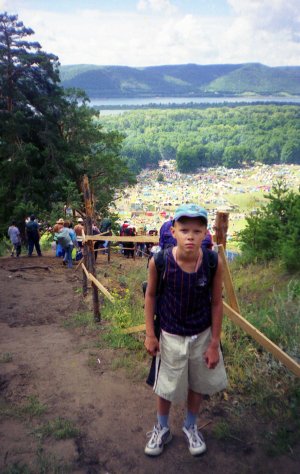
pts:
[189, 233]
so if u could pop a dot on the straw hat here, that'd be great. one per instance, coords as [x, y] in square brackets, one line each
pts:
[60, 221]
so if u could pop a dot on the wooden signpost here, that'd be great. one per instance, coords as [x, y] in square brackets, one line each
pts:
[221, 227]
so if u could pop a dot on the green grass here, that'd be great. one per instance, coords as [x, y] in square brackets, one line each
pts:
[246, 201]
[59, 428]
[47, 463]
[31, 408]
[17, 468]
[81, 320]
[5, 247]
[221, 430]
[136, 364]
[6, 357]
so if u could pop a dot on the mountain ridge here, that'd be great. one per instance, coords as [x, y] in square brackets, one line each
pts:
[188, 80]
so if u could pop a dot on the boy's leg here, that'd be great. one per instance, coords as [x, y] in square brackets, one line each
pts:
[160, 435]
[193, 405]
[194, 437]
[163, 409]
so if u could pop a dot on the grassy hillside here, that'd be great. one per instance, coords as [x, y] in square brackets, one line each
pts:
[260, 79]
[181, 80]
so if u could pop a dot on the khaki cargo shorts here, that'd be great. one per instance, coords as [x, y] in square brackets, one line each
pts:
[181, 365]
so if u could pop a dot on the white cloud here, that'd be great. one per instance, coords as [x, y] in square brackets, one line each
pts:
[258, 31]
[265, 31]
[156, 6]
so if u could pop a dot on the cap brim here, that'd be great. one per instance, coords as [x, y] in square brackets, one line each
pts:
[190, 215]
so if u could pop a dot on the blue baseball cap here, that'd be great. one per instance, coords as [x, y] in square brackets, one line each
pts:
[190, 210]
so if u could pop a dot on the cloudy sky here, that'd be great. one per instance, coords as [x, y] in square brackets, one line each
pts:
[156, 32]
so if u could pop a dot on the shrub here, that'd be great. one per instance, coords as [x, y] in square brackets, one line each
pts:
[274, 232]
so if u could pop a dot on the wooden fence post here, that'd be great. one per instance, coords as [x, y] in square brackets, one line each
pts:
[89, 259]
[221, 227]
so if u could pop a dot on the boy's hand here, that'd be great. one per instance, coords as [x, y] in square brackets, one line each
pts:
[211, 356]
[152, 345]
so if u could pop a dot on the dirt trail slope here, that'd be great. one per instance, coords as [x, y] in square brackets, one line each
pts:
[113, 413]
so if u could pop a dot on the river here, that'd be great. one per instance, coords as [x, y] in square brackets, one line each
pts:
[136, 101]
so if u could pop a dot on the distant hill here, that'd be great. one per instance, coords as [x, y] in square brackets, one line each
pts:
[190, 80]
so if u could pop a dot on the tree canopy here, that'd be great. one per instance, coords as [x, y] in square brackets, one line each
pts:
[48, 136]
[274, 230]
[216, 136]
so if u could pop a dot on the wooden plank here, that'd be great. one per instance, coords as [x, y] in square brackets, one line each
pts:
[230, 293]
[153, 239]
[131, 330]
[98, 284]
[285, 359]
[85, 270]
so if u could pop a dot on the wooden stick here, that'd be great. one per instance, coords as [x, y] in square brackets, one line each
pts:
[153, 239]
[101, 288]
[79, 263]
[97, 283]
[85, 270]
[89, 258]
[290, 363]
[141, 327]
[230, 293]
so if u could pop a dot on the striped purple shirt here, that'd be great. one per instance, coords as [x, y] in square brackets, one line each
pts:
[185, 303]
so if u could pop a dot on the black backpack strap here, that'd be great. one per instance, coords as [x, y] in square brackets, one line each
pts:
[210, 260]
[160, 259]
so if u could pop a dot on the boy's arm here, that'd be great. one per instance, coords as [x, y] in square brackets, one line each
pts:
[212, 353]
[151, 342]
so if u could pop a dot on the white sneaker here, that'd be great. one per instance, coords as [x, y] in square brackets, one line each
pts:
[195, 440]
[159, 436]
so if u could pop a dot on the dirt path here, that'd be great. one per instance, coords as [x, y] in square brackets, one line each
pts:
[112, 413]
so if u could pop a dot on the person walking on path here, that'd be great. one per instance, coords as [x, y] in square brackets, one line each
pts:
[79, 229]
[15, 238]
[33, 236]
[62, 236]
[188, 355]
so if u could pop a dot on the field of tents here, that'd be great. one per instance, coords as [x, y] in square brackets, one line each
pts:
[239, 191]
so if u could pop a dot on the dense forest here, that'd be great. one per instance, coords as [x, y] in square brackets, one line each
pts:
[231, 137]
[190, 80]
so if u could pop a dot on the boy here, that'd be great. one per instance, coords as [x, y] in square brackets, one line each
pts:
[189, 360]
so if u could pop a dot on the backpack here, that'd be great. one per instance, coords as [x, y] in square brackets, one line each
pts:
[129, 232]
[166, 238]
[63, 237]
[160, 259]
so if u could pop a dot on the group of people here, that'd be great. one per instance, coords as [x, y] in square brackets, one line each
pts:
[32, 235]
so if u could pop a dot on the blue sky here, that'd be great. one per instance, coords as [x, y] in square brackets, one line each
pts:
[154, 32]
